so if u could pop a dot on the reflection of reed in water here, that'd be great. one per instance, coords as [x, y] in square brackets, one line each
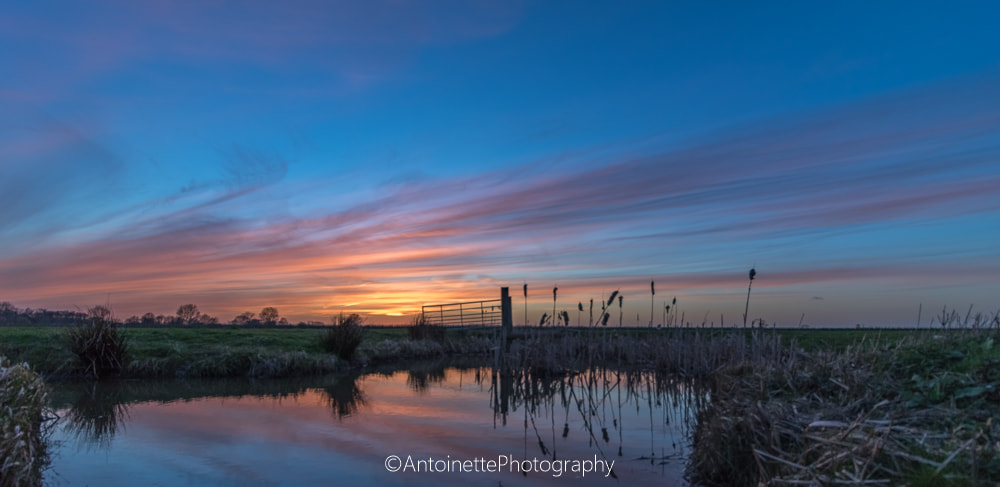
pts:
[96, 414]
[594, 402]
[345, 396]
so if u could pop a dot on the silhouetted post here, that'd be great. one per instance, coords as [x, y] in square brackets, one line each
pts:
[506, 318]
[753, 273]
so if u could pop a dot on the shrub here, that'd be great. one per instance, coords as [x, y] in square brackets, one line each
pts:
[344, 337]
[99, 345]
[23, 452]
[421, 330]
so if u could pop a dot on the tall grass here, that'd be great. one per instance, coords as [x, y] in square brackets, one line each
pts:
[920, 411]
[420, 329]
[344, 337]
[23, 400]
[100, 347]
[692, 353]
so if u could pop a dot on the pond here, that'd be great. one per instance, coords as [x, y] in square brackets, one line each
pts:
[435, 423]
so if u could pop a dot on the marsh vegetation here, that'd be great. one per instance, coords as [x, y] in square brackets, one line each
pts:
[763, 406]
[24, 422]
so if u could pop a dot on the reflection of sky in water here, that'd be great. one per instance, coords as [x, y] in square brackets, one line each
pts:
[299, 440]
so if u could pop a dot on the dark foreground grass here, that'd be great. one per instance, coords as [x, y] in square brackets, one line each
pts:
[917, 411]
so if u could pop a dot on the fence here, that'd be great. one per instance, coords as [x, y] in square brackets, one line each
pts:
[472, 313]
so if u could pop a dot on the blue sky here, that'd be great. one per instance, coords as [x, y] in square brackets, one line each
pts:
[376, 156]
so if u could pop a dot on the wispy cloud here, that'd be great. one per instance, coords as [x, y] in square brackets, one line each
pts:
[48, 169]
[350, 45]
[923, 155]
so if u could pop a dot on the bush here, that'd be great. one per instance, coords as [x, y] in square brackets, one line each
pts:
[23, 452]
[98, 344]
[421, 330]
[344, 337]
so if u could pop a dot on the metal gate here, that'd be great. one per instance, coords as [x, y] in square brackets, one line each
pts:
[472, 313]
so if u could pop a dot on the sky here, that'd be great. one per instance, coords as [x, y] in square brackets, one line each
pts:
[376, 156]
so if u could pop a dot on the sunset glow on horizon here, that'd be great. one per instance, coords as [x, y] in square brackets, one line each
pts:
[373, 157]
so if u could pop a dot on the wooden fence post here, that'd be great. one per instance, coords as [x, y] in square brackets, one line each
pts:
[506, 317]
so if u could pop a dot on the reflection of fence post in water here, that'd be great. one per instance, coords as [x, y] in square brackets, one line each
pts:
[503, 385]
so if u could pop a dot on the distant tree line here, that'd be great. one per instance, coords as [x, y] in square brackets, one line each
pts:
[12, 316]
[187, 314]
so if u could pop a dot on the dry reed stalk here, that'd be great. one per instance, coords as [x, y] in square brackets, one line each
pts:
[23, 419]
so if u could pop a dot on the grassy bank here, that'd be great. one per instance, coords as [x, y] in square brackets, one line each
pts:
[917, 411]
[233, 351]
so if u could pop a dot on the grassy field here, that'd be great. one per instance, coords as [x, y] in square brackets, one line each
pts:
[236, 351]
[229, 351]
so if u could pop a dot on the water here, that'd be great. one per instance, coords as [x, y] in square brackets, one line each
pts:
[341, 430]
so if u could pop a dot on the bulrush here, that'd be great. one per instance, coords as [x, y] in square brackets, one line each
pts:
[652, 290]
[753, 274]
[554, 315]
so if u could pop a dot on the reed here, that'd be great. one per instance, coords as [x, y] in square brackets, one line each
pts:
[652, 295]
[746, 310]
[554, 315]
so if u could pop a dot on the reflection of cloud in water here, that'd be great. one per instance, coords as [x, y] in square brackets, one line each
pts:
[292, 438]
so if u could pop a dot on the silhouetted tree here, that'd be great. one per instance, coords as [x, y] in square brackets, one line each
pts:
[187, 313]
[244, 318]
[269, 314]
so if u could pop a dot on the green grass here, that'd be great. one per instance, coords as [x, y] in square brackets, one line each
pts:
[232, 351]
[228, 352]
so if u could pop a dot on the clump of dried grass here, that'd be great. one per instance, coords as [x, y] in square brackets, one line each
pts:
[100, 347]
[344, 337]
[23, 400]
[420, 329]
[828, 418]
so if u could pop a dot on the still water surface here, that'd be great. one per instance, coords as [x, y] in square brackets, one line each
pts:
[340, 430]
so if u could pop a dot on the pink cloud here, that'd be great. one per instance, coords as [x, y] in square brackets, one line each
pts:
[705, 206]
